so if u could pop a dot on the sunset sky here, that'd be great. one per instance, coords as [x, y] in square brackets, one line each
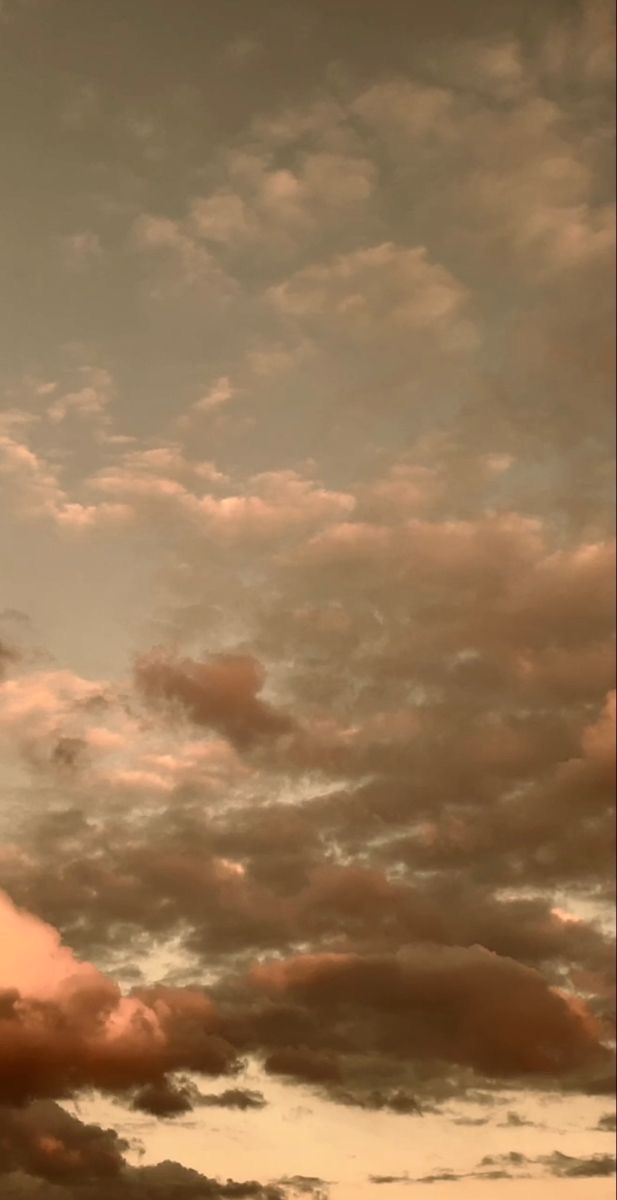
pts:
[306, 600]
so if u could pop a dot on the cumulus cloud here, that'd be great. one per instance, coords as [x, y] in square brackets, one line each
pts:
[281, 206]
[163, 483]
[65, 1026]
[383, 287]
[45, 1141]
[49, 1153]
[164, 236]
[88, 402]
[34, 489]
[307, 1017]
[435, 1002]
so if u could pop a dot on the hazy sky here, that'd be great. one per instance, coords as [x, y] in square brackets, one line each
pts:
[306, 609]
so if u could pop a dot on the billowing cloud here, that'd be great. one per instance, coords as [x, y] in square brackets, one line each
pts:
[452, 1004]
[64, 1026]
[380, 288]
[49, 1153]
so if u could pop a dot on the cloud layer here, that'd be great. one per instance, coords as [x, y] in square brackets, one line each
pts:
[307, 690]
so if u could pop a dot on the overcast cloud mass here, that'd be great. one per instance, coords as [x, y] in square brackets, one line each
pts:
[307, 699]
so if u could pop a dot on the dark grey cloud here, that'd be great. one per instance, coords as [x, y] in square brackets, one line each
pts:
[514, 1120]
[389, 1179]
[51, 1154]
[174, 1098]
[567, 1166]
[514, 1165]
[307, 1185]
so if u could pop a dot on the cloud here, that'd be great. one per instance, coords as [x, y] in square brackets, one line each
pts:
[383, 288]
[515, 1121]
[88, 402]
[451, 1004]
[566, 1166]
[8, 655]
[221, 694]
[46, 1142]
[514, 1165]
[401, 108]
[83, 247]
[428, 1005]
[400, 646]
[279, 206]
[50, 1154]
[163, 484]
[306, 1185]
[252, 880]
[219, 394]
[179, 261]
[351, 820]
[50, 716]
[33, 486]
[173, 1099]
[241, 1098]
[165, 235]
[64, 1026]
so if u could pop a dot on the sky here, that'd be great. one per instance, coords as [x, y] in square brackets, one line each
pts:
[307, 699]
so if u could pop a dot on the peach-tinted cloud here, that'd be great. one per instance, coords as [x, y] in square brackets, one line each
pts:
[459, 1004]
[385, 286]
[222, 694]
[42, 969]
[281, 206]
[64, 1026]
